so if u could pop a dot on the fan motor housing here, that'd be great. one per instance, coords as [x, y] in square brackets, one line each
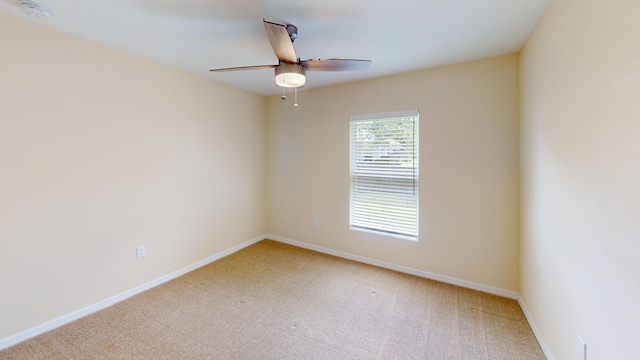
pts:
[292, 30]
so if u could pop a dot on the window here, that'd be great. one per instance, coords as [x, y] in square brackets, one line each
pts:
[384, 174]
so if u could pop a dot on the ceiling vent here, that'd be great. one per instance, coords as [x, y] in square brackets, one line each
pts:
[34, 9]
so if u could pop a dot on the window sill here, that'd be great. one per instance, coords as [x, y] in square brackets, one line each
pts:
[384, 233]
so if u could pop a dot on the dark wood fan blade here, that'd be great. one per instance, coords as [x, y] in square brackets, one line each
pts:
[256, 67]
[280, 42]
[336, 64]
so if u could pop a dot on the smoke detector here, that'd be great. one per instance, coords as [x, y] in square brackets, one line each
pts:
[34, 9]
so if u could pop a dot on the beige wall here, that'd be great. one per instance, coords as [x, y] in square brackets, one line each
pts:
[580, 90]
[100, 152]
[468, 169]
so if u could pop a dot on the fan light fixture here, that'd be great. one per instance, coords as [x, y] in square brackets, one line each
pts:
[290, 75]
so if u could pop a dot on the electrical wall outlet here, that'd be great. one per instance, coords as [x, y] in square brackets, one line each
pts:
[582, 349]
[142, 251]
[316, 222]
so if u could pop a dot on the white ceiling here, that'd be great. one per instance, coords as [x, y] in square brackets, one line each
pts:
[198, 35]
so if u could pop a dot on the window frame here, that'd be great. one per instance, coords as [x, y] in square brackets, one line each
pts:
[383, 182]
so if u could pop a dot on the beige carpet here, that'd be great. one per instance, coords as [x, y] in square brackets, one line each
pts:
[275, 301]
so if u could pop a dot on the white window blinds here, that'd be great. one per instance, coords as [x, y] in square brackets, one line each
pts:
[384, 173]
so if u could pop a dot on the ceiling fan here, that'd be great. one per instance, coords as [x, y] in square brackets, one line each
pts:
[290, 70]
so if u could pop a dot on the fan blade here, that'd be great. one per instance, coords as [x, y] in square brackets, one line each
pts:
[335, 64]
[280, 42]
[256, 67]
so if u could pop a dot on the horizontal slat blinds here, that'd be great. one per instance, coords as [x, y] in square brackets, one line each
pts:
[384, 173]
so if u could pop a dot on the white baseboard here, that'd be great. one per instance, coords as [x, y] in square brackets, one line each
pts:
[65, 319]
[402, 269]
[532, 325]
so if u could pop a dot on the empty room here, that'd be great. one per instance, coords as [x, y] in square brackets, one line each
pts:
[319, 180]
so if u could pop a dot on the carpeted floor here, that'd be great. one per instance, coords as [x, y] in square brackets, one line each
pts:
[276, 301]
